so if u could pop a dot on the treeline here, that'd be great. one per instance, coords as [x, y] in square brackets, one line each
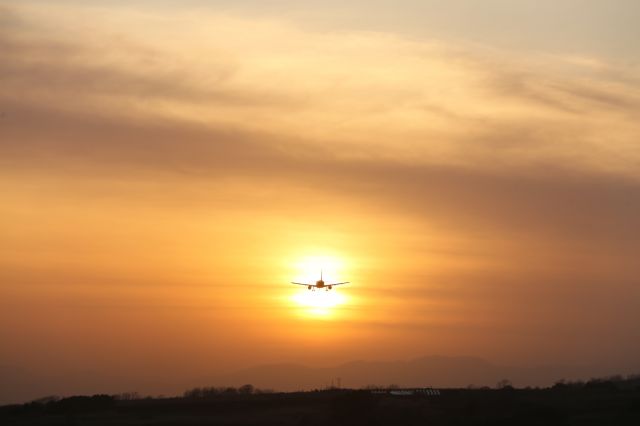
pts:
[105, 402]
[57, 405]
[213, 391]
[617, 382]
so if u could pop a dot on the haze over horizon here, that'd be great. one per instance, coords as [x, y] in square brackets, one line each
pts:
[167, 168]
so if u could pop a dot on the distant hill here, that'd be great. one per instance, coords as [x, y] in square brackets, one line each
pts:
[437, 371]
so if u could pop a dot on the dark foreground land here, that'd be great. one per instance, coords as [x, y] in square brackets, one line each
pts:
[604, 404]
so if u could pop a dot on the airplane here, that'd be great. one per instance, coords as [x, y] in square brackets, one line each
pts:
[320, 284]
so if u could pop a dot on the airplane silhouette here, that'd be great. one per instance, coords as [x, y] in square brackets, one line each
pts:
[320, 284]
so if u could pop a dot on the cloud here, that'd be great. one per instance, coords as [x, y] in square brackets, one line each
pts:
[504, 179]
[351, 95]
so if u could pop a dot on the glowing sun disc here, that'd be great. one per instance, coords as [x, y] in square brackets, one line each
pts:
[318, 302]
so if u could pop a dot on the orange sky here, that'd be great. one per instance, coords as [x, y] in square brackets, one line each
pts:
[165, 172]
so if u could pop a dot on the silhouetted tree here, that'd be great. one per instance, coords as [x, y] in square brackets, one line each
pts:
[230, 391]
[210, 392]
[246, 389]
[372, 387]
[127, 396]
[46, 399]
[504, 384]
[193, 393]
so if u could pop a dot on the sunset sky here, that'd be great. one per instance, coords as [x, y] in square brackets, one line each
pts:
[168, 167]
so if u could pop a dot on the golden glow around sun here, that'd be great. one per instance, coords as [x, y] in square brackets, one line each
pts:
[319, 302]
[307, 269]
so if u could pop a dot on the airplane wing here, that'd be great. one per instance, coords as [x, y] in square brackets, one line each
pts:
[300, 283]
[344, 282]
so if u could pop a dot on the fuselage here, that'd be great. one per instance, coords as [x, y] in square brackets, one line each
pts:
[319, 284]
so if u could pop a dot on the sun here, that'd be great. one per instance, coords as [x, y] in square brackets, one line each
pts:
[318, 303]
